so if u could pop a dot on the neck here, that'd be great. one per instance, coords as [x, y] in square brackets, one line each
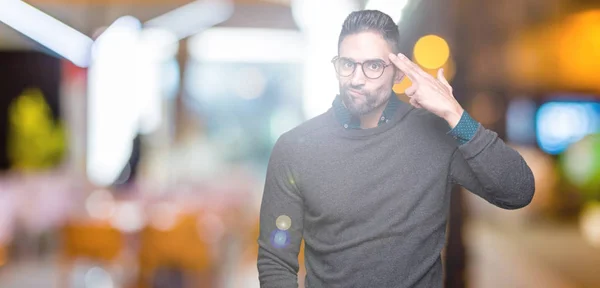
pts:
[371, 119]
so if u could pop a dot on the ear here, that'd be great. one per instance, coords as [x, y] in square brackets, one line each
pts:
[398, 76]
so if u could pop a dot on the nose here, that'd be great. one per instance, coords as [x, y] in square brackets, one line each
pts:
[358, 77]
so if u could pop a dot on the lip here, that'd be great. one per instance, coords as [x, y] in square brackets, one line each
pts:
[355, 93]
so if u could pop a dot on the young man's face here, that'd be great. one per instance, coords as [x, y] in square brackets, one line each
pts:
[359, 91]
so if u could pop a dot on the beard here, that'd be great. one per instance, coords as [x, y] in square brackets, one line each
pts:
[365, 103]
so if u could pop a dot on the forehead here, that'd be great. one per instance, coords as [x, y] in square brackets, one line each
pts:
[365, 45]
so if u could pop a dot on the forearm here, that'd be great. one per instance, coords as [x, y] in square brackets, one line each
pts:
[273, 271]
[503, 177]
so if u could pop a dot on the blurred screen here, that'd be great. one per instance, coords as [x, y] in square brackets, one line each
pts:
[560, 123]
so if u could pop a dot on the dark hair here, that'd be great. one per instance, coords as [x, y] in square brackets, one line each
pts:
[371, 21]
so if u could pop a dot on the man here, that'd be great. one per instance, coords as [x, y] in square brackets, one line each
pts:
[367, 184]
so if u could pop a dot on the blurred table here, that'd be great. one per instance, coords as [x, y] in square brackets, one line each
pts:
[547, 255]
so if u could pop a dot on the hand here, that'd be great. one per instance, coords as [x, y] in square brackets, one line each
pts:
[427, 92]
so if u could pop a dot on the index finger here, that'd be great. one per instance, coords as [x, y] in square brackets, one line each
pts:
[412, 71]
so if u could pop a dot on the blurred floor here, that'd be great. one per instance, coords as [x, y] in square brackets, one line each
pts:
[30, 274]
[36, 274]
[545, 255]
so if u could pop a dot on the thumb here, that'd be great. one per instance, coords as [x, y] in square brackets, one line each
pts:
[443, 79]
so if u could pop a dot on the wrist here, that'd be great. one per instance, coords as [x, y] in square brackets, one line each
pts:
[453, 116]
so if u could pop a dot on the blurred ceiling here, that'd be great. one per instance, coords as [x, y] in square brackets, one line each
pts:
[489, 35]
[145, 2]
[87, 16]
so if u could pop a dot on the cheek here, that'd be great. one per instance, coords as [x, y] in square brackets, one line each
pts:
[382, 84]
[347, 83]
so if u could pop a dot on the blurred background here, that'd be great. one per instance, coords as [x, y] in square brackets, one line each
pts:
[134, 134]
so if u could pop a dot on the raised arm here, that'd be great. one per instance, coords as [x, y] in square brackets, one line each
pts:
[483, 163]
[486, 166]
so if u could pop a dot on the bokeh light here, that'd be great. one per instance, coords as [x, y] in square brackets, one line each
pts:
[559, 124]
[128, 217]
[100, 204]
[578, 47]
[283, 222]
[581, 165]
[164, 215]
[98, 278]
[401, 87]
[279, 238]
[431, 51]
[590, 223]
[559, 55]
[449, 70]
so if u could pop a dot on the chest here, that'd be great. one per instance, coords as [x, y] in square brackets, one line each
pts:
[368, 180]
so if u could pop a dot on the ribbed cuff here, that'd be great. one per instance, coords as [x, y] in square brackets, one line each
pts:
[465, 129]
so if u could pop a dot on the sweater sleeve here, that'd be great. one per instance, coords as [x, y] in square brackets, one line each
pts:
[465, 129]
[281, 223]
[486, 166]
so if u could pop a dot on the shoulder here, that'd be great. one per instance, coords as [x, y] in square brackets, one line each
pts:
[312, 129]
[292, 141]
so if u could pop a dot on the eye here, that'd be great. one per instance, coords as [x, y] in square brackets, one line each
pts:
[375, 65]
[347, 63]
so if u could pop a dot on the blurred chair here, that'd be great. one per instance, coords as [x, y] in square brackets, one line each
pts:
[3, 255]
[90, 240]
[181, 246]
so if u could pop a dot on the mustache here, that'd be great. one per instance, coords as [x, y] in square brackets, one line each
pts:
[356, 89]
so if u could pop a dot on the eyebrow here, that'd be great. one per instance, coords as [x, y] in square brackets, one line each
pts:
[353, 60]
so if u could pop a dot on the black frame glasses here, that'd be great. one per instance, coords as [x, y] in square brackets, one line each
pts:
[368, 73]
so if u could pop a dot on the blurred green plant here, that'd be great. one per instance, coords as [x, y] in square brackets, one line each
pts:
[35, 140]
[580, 164]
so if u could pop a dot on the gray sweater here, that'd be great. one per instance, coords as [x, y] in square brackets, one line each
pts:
[372, 204]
